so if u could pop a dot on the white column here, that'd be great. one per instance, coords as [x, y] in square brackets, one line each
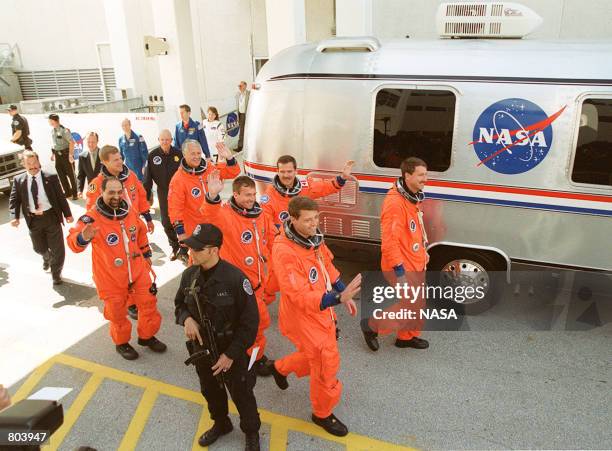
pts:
[127, 45]
[354, 18]
[172, 19]
[286, 22]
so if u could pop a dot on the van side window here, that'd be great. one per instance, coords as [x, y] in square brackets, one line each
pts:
[593, 161]
[414, 123]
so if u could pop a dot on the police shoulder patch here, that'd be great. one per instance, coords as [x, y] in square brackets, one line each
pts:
[86, 219]
[92, 188]
[248, 289]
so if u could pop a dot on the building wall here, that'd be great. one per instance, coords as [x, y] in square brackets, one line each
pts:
[319, 19]
[565, 19]
[54, 35]
[223, 45]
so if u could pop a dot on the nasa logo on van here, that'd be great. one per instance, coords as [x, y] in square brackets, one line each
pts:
[246, 237]
[513, 136]
[313, 275]
[231, 125]
[195, 192]
[78, 144]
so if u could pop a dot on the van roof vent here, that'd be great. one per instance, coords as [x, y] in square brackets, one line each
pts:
[349, 44]
[479, 19]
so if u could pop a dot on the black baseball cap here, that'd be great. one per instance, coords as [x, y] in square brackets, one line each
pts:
[204, 235]
[11, 107]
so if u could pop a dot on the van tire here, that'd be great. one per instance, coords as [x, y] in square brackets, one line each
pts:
[491, 265]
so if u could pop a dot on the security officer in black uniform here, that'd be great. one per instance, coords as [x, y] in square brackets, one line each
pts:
[216, 306]
[63, 155]
[19, 128]
[162, 163]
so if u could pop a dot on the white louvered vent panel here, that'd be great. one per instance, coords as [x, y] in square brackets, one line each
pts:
[497, 10]
[360, 229]
[466, 10]
[67, 83]
[332, 226]
[495, 28]
[464, 28]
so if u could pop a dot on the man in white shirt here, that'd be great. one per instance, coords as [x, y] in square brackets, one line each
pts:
[39, 198]
[242, 103]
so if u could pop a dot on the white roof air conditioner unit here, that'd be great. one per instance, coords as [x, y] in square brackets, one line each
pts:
[485, 20]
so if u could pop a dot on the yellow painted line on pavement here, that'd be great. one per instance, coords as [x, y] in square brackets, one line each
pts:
[139, 420]
[33, 380]
[280, 424]
[204, 424]
[278, 437]
[75, 410]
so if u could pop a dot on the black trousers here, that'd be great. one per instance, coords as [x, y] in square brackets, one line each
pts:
[165, 220]
[240, 384]
[241, 123]
[48, 240]
[65, 172]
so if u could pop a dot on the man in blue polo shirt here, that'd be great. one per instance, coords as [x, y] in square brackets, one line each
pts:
[133, 149]
[187, 128]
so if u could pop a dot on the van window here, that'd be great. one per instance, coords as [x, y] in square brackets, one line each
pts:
[593, 161]
[414, 123]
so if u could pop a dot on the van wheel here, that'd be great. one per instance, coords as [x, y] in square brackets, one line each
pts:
[483, 271]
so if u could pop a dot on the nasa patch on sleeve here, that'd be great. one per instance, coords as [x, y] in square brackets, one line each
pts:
[86, 219]
[264, 199]
[248, 289]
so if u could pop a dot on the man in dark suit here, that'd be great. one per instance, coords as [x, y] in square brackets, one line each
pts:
[242, 103]
[39, 198]
[89, 162]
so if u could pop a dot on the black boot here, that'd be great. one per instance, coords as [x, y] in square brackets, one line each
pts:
[251, 441]
[331, 424]
[280, 380]
[371, 337]
[126, 351]
[218, 429]
[261, 369]
[153, 344]
[133, 312]
[414, 342]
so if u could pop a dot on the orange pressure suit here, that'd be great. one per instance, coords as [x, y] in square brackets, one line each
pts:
[276, 200]
[120, 268]
[187, 190]
[247, 244]
[276, 206]
[404, 253]
[133, 191]
[306, 317]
